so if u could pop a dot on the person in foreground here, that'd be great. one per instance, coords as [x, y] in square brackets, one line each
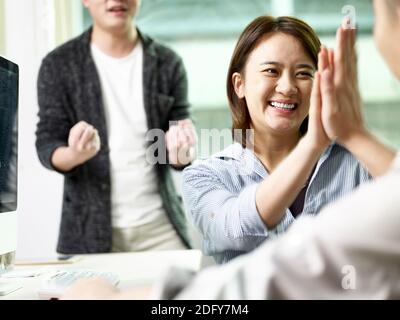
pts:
[320, 257]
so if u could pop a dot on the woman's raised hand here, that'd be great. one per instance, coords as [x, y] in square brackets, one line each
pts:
[316, 133]
[341, 101]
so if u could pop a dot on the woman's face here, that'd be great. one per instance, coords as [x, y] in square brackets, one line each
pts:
[276, 84]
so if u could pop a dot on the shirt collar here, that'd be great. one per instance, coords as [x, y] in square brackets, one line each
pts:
[250, 162]
[247, 156]
[234, 151]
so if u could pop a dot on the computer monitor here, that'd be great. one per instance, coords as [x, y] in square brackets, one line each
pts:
[9, 76]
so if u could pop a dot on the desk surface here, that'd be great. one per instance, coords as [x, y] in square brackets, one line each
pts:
[136, 268]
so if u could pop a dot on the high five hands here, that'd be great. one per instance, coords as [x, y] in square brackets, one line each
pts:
[335, 110]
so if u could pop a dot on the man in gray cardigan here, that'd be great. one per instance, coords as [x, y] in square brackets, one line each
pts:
[99, 97]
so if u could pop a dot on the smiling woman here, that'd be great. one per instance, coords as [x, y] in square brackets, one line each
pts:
[279, 167]
[279, 88]
[293, 34]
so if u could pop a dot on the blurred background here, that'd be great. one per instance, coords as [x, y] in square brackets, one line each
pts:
[204, 33]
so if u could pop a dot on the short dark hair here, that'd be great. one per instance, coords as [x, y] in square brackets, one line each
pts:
[392, 8]
[393, 2]
[248, 40]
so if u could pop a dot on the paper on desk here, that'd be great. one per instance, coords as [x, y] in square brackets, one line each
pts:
[47, 260]
[24, 273]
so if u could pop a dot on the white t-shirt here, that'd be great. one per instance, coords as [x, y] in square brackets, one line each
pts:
[135, 195]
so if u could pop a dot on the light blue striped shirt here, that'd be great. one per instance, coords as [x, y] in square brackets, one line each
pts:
[220, 196]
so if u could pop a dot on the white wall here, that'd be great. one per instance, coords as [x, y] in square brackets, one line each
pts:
[29, 28]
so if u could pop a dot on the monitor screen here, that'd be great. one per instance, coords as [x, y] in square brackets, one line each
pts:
[8, 135]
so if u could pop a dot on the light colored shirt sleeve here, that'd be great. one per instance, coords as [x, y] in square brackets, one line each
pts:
[350, 251]
[227, 221]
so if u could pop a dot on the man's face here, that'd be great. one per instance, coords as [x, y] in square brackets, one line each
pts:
[112, 15]
[387, 33]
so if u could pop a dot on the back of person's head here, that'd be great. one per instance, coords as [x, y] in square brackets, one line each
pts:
[387, 32]
[248, 41]
[393, 2]
[392, 9]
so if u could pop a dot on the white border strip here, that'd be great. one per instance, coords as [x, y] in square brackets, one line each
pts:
[8, 232]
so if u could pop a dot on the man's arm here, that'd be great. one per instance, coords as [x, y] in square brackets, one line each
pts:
[54, 122]
[61, 144]
[179, 91]
[376, 157]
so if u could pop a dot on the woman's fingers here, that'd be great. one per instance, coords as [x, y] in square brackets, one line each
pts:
[320, 60]
[331, 58]
[315, 106]
[315, 101]
[323, 61]
[329, 104]
[340, 57]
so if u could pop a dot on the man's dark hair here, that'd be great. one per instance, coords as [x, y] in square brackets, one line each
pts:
[393, 7]
[393, 3]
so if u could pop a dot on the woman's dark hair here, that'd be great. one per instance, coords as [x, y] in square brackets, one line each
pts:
[248, 40]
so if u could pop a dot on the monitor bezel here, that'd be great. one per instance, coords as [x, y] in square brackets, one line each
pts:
[12, 67]
[9, 66]
[8, 219]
